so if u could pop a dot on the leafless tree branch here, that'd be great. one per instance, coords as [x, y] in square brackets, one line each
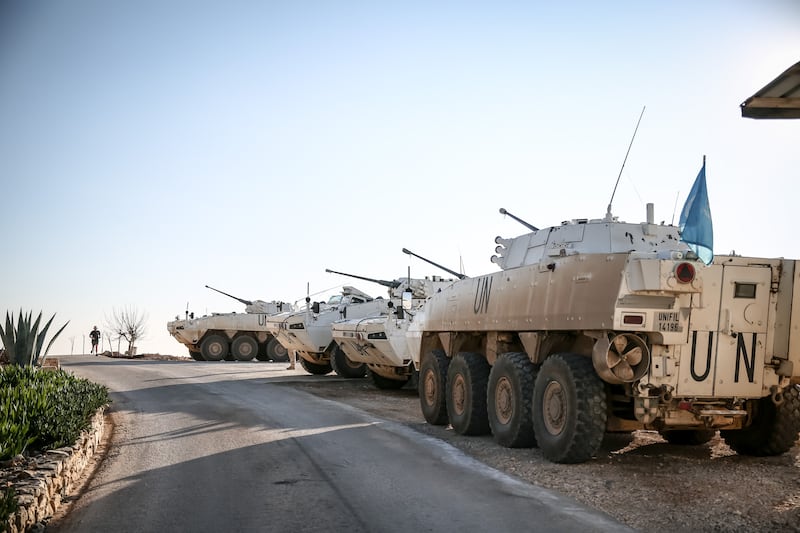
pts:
[127, 323]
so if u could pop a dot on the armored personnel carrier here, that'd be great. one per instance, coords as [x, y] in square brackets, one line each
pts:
[308, 332]
[600, 325]
[231, 335]
[380, 341]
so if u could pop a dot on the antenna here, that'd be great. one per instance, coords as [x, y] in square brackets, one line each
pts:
[675, 208]
[608, 212]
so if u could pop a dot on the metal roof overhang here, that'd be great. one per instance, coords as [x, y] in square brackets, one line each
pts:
[780, 98]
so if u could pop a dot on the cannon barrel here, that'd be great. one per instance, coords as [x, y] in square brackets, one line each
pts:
[453, 272]
[245, 302]
[389, 284]
[529, 226]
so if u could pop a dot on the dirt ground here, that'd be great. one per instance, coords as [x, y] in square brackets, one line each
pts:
[640, 480]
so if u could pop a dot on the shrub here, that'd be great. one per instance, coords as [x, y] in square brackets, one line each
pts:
[23, 344]
[44, 410]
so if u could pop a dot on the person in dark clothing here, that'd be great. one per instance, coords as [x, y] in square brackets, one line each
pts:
[95, 336]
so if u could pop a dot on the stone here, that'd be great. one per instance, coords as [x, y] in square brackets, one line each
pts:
[41, 486]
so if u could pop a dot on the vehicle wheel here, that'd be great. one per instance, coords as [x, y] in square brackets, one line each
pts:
[244, 348]
[432, 387]
[197, 356]
[276, 351]
[774, 429]
[688, 437]
[386, 383]
[467, 378]
[509, 396]
[214, 348]
[345, 367]
[315, 368]
[569, 408]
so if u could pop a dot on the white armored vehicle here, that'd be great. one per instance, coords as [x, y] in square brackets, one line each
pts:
[380, 341]
[308, 332]
[231, 335]
[600, 325]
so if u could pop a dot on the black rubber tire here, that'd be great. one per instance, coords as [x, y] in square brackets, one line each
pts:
[774, 429]
[276, 351]
[262, 351]
[570, 408]
[433, 387]
[688, 437]
[345, 367]
[385, 383]
[467, 378]
[214, 348]
[509, 396]
[244, 348]
[197, 356]
[315, 368]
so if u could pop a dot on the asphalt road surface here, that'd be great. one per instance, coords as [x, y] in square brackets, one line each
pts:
[234, 447]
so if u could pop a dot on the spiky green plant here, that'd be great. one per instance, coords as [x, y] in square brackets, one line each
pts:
[24, 343]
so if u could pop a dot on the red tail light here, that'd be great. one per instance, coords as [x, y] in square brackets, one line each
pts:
[684, 272]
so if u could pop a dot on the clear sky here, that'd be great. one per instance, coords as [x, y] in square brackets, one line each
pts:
[150, 148]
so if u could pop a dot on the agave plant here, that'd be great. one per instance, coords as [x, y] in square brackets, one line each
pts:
[24, 343]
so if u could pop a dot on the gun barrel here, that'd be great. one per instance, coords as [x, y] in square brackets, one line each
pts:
[453, 272]
[389, 284]
[245, 302]
[529, 226]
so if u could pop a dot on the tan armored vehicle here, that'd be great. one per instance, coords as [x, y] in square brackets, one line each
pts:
[380, 341]
[231, 335]
[600, 325]
[308, 332]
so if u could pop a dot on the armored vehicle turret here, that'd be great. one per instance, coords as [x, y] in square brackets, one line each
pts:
[232, 336]
[380, 341]
[600, 325]
[308, 332]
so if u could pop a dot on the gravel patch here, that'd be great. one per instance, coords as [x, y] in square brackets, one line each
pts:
[639, 479]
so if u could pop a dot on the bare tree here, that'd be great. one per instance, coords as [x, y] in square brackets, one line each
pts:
[129, 324]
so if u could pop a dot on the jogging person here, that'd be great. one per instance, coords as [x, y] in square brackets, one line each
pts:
[95, 336]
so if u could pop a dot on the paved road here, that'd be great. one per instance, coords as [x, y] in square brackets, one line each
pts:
[234, 447]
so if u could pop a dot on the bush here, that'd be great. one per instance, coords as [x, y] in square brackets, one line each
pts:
[41, 410]
[23, 343]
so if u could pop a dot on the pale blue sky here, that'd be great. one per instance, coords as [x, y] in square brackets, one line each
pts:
[149, 148]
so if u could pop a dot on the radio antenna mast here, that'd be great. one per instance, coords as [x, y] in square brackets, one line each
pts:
[608, 212]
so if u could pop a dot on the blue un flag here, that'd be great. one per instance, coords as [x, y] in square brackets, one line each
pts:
[695, 222]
